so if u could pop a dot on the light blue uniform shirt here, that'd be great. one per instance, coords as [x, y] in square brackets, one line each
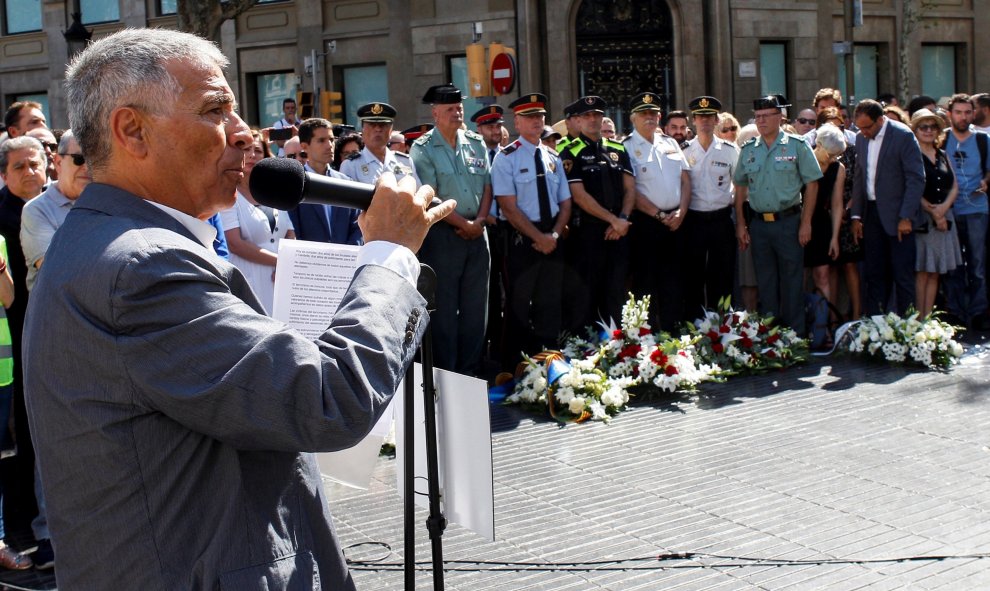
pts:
[366, 168]
[514, 173]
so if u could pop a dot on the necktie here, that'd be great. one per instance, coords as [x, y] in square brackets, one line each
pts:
[541, 187]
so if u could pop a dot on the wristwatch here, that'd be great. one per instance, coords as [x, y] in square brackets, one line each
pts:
[555, 236]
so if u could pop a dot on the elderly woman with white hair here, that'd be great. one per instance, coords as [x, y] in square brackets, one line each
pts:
[823, 248]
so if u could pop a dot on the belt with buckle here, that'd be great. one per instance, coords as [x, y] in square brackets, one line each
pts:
[711, 215]
[776, 216]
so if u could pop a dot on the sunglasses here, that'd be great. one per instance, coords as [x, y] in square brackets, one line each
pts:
[730, 128]
[928, 127]
[77, 159]
[299, 155]
[804, 121]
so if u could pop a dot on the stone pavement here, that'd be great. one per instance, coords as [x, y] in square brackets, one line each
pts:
[819, 466]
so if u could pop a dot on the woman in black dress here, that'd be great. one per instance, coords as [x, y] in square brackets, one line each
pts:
[823, 248]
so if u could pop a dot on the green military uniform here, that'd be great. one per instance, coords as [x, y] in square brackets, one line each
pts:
[460, 172]
[774, 176]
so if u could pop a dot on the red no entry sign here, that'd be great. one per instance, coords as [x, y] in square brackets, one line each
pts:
[503, 73]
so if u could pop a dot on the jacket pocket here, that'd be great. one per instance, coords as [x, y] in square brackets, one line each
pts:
[296, 572]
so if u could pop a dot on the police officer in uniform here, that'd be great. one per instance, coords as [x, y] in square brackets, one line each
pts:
[488, 121]
[454, 162]
[376, 129]
[603, 187]
[663, 192]
[772, 168]
[708, 230]
[532, 191]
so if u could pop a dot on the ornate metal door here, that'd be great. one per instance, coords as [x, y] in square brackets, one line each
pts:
[625, 47]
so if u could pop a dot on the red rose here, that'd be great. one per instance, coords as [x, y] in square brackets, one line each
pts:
[658, 357]
[772, 354]
[670, 370]
[724, 328]
[763, 329]
[712, 335]
[643, 331]
[629, 351]
[617, 335]
[773, 338]
[746, 342]
[717, 347]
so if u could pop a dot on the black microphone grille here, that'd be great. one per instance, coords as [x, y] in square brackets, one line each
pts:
[278, 182]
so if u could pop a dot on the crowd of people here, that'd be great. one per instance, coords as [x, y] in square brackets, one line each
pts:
[881, 208]
[553, 229]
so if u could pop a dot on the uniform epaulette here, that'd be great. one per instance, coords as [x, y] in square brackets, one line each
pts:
[511, 147]
[423, 139]
[614, 145]
[473, 135]
[576, 146]
[750, 141]
[402, 155]
[354, 156]
[796, 136]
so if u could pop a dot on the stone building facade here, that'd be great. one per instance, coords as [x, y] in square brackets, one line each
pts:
[394, 49]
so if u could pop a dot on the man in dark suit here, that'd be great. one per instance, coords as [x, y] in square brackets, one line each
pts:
[886, 202]
[316, 222]
[170, 438]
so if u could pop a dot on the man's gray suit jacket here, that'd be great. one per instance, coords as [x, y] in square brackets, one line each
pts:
[900, 178]
[171, 415]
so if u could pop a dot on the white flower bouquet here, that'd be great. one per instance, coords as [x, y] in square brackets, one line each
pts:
[927, 341]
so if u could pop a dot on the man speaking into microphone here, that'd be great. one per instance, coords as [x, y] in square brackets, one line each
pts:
[170, 414]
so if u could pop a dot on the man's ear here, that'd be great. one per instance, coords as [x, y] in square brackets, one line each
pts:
[128, 128]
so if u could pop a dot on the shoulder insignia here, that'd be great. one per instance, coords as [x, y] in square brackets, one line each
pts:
[354, 156]
[511, 147]
[423, 139]
[576, 146]
[614, 145]
[473, 135]
[751, 141]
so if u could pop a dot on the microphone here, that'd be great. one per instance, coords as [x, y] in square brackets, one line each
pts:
[283, 183]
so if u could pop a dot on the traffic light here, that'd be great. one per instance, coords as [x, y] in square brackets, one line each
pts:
[304, 104]
[330, 107]
[477, 70]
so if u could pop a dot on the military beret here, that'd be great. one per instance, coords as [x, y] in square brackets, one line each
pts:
[489, 114]
[645, 101]
[705, 105]
[529, 104]
[443, 94]
[376, 113]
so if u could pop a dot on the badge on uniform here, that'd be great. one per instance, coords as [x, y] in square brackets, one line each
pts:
[691, 161]
[553, 166]
[639, 154]
[614, 156]
[364, 169]
[567, 165]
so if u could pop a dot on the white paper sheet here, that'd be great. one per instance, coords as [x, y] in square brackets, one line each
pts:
[310, 281]
[464, 454]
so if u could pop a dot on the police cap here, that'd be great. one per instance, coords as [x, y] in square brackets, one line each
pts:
[487, 115]
[443, 94]
[376, 113]
[705, 105]
[645, 101]
[771, 101]
[590, 104]
[529, 104]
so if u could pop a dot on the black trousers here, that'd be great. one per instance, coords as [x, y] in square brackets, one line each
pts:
[710, 259]
[534, 298]
[595, 286]
[658, 269]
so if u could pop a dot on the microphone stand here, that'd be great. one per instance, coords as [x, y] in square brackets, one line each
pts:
[436, 522]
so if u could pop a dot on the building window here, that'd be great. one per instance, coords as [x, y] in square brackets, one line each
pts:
[272, 89]
[457, 66]
[363, 85]
[37, 97]
[773, 68]
[864, 73]
[166, 7]
[22, 16]
[99, 11]
[938, 70]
